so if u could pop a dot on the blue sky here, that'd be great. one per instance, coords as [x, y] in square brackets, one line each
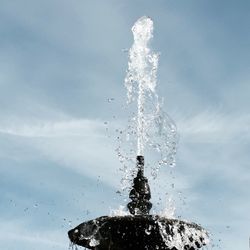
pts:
[60, 63]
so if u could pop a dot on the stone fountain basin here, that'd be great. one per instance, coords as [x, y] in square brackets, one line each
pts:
[138, 232]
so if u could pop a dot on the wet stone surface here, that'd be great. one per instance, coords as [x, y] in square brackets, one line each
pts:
[138, 232]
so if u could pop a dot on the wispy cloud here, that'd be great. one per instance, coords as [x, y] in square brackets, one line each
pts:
[217, 127]
[78, 144]
[64, 128]
[15, 231]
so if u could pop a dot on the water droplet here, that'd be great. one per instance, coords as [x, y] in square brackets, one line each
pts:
[111, 99]
[125, 50]
[148, 230]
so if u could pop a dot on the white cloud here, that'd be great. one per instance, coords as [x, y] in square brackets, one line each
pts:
[80, 145]
[214, 127]
[62, 128]
[17, 231]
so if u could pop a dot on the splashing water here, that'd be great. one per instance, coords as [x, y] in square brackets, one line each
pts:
[182, 236]
[142, 68]
[169, 210]
[121, 211]
[151, 127]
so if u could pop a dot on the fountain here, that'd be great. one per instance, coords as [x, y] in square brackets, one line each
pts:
[140, 230]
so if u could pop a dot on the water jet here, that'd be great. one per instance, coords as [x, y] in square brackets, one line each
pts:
[140, 230]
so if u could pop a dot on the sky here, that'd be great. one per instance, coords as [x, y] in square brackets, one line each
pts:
[62, 69]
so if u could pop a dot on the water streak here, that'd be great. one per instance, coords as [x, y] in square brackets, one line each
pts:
[152, 126]
[141, 74]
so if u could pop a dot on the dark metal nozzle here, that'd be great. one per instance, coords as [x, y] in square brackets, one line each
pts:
[140, 193]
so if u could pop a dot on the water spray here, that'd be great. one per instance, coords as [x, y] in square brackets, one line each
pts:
[140, 230]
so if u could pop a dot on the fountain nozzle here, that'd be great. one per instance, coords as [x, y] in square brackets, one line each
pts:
[140, 193]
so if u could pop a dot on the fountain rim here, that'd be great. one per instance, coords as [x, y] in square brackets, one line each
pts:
[133, 222]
